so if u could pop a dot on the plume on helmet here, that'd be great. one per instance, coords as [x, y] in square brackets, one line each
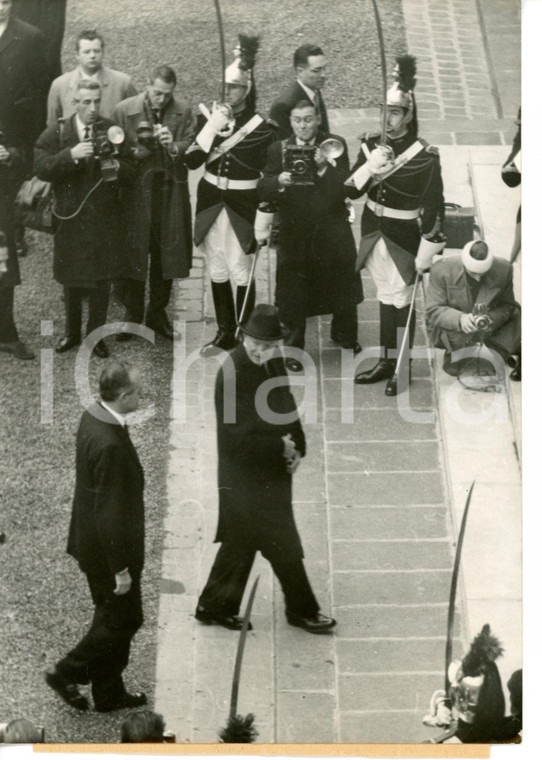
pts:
[405, 72]
[485, 649]
[248, 48]
[240, 730]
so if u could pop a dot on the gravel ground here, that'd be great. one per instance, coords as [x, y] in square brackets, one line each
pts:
[44, 601]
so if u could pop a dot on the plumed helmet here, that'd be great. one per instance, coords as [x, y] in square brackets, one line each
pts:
[240, 72]
[401, 93]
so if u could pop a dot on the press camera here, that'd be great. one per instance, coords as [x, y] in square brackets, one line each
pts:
[106, 141]
[481, 317]
[299, 161]
[146, 135]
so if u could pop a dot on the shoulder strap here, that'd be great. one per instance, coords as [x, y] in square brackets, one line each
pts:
[235, 139]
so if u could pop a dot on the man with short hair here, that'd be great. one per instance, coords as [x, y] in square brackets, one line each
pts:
[461, 290]
[310, 68]
[316, 253]
[116, 86]
[157, 214]
[260, 445]
[89, 243]
[107, 534]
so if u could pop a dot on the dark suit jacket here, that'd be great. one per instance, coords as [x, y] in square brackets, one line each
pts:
[23, 82]
[107, 529]
[279, 115]
[50, 17]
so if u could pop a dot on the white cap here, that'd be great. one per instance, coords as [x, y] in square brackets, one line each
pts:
[476, 266]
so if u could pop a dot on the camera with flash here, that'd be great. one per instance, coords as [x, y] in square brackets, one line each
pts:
[299, 159]
[106, 143]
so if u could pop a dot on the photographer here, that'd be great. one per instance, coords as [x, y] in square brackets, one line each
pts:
[85, 169]
[470, 300]
[9, 266]
[316, 251]
[159, 129]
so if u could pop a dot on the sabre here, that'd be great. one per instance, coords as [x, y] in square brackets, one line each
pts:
[222, 50]
[239, 729]
[247, 294]
[384, 70]
[453, 589]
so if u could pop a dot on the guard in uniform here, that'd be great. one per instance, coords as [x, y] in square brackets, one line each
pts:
[233, 145]
[402, 218]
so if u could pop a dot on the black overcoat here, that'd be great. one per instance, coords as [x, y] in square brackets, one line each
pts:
[107, 528]
[244, 161]
[255, 490]
[172, 175]
[316, 246]
[24, 78]
[8, 171]
[416, 185]
[91, 246]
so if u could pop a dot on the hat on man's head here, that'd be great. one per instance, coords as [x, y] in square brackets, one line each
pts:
[476, 257]
[264, 323]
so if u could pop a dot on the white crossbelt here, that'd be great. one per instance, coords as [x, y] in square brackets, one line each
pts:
[225, 183]
[392, 213]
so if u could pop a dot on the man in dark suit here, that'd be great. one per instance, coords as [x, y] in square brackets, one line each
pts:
[107, 533]
[259, 448]
[310, 67]
[89, 244]
[461, 290]
[50, 17]
[316, 252]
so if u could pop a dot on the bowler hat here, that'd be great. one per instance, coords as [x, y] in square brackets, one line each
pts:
[264, 323]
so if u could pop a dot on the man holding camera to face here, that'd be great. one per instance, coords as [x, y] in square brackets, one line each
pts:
[86, 160]
[470, 300]
[159, 129]
[316, 250]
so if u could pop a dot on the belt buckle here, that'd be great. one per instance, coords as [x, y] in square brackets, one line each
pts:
[222, 182]
[379, 209]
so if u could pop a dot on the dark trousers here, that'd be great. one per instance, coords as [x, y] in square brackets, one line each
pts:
[132, 292]
[98, 301]
[8, 331]
[102, 654]
[224, 589]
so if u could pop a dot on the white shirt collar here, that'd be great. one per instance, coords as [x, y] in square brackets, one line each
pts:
[119, 417]
[84, 75]
[81, 127]
[310, 93]
[300, 142]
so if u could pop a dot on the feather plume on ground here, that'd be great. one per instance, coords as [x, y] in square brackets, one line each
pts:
[248, 48]
[484, 649]
[240, 730]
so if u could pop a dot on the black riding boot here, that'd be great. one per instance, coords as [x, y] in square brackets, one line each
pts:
[225, 318]
[401, 318]
[240, 299]
[386, 366]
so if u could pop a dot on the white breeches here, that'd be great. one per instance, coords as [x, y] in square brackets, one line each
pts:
[390, 286]
[225, 257]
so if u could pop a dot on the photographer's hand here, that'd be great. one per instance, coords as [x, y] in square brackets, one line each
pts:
[5, 155]
[319, 159]
[123, 582]
[285, 179]
[82, 150]
[467, 323]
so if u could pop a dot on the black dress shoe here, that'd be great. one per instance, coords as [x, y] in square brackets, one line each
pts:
[233, 622]
[101, 350]
[66, 344]
[162, 326]
[349, 345]
[317, 624]
[124, 337]
[19, 349]
[381, 371]
[128, 700]
[67, 691]
[224, 340]
[515, 375]
[293, 365]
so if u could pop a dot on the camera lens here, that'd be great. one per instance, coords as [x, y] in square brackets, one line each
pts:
[300, 167]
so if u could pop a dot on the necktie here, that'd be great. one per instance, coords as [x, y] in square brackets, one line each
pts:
[86, 135]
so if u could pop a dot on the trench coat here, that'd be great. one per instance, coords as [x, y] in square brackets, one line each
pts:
[316, 247]
[255, 489]
[91, 246]
[170, 171]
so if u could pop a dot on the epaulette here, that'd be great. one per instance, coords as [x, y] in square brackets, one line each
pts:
[429, 148]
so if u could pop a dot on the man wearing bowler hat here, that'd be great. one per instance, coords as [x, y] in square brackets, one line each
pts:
[260, 445]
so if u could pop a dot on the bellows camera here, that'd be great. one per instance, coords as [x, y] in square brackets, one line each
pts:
[299, 161]
[106, 142]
